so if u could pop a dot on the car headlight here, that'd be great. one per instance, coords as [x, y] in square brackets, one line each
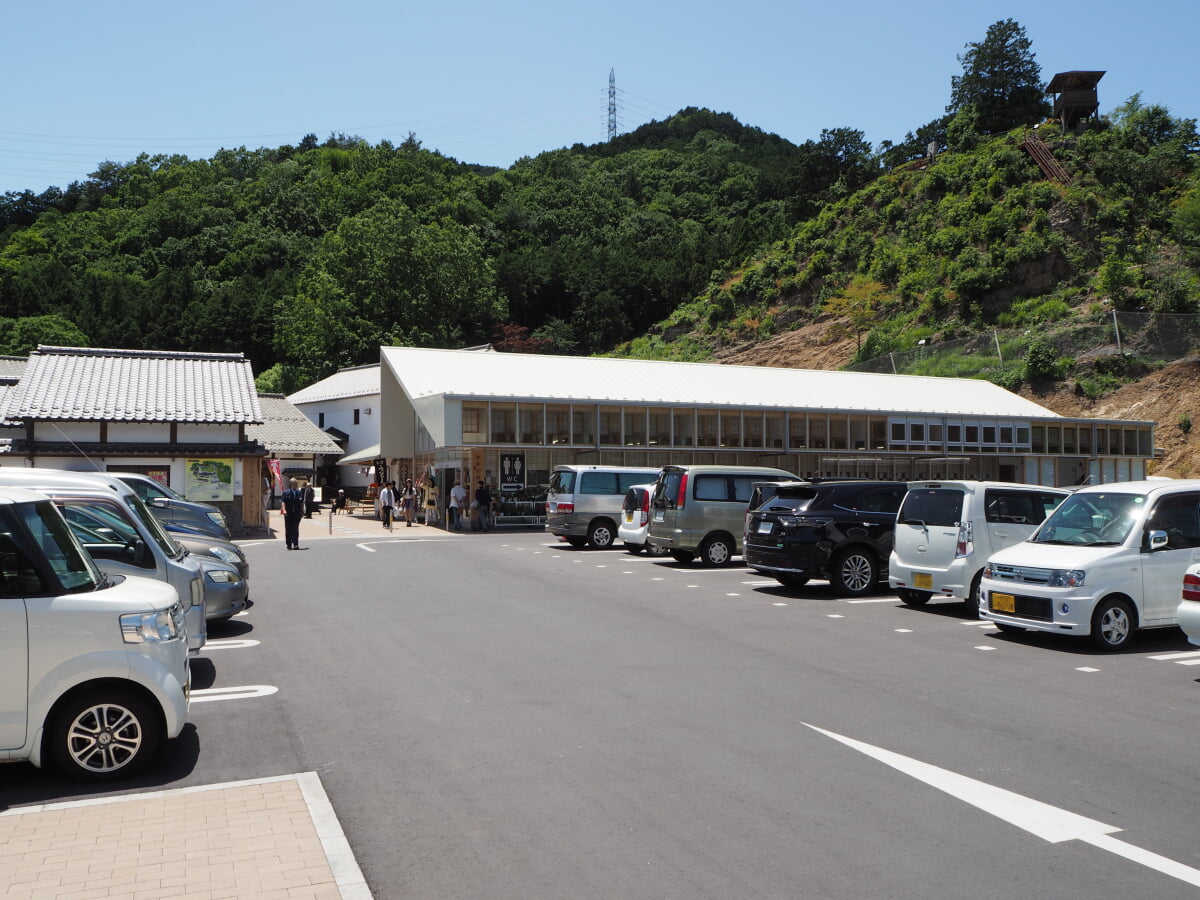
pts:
[217, 518]
[225, 556]
[221, 576]
[148, 628]
[1069, 578]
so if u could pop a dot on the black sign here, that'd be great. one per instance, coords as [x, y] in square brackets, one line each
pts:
[512, 471]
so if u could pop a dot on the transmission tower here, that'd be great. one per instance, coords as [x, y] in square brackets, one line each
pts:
[612, 104]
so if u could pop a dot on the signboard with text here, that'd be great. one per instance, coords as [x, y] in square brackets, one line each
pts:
[512, 471]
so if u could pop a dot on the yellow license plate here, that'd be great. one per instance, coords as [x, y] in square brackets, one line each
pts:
[923, 580]
[628, 517]
[1004, 602]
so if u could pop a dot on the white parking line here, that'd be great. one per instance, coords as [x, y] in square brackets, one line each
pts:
[873, 600]
[245, 692]
[1086, 669]
[1182, 654]
[230, 644]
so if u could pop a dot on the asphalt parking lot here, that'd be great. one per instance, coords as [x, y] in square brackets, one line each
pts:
[501, 715]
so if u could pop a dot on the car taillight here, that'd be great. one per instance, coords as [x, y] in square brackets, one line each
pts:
[645, 509]
[963, 547]
[679, 501]
[1191, 587]
[565, 507]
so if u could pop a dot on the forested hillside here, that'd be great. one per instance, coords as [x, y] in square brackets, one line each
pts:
[683, 239]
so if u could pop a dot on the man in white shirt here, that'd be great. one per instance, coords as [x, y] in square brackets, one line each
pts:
[458, 499]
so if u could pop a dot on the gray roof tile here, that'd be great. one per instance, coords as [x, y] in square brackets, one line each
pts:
[66, 383]
[287, 430]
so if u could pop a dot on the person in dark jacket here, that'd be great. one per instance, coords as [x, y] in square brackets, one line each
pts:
[483, 507]
[310, 497]
[293, 512]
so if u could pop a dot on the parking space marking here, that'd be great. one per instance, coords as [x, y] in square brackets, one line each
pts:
[733, 595]
[984, 647]
[835, 616]
[244, 692]
[1179, 656]
[1086, 669]
[903, 630]
[873, 600]
[230, 644]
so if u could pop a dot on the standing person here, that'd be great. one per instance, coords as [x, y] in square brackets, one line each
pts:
[387, 499]
[458, 500]
[431, 502]
[293, 512]
[408, 501]
[266, 501]
[483, 506]
[309, 498]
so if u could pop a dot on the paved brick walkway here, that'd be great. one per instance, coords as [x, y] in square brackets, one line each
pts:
[263, 839]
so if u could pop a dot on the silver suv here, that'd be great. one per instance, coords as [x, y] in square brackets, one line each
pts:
[583, 505]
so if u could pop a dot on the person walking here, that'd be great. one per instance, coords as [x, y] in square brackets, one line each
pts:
[408, 501]
[387, 500]
[432, 513]
[309, 499]
[483, 507]
[293, 512]
[458, 500]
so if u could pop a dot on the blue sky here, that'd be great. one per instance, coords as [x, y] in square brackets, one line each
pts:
[486, 83]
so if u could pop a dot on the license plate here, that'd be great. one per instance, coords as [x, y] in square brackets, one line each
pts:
[764, 527]
[659, 516]
[628, 517]
[1004, 602]
[923, 580]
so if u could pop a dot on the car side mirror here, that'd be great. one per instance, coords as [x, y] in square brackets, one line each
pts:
[160, 503]
[1158, 540]
[141, 554]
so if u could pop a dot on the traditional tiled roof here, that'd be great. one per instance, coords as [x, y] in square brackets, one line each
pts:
[11, 367]
[360, 381]
[140, 448]
[74, 383]
[287, 430]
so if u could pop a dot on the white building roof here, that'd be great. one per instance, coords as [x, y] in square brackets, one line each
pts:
[360, 381]
[479, 375]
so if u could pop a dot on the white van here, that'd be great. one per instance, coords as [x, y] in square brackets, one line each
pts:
[93, 670]
[1109, 560]
[154, 555]
[583, 504]
[947, 530]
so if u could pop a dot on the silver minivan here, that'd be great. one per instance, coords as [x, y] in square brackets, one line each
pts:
[94, 670]
[153, 555]
[583, 504]
[947, 530]
[701, 510]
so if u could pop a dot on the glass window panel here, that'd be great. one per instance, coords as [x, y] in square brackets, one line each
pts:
[954, 433]
[685, 428]
[752, 429]
[504, 425]
[731, 429]
[635, 426]
[474, 422]
[1114, 441]
[839, 435]
[558, 424]
[775, 430]
[989, 434]
[660, 428]
[1069, 434]
[1130, 442]
[878, 434]
[707, 426]
[1054, 439]
[530, 416]
[1085, 440]
[1023, 435]
[818, 432]
[898, 429]
[798, 431]
[1145, 442]
[1039, 438]
[971, 434]
[583, 425]
[858, 432]
[610, 426]
[935, 433]
[916, 432]
[1006, 434]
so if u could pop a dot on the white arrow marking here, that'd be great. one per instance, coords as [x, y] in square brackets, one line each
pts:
[1041, 819]
[245, 692]
[230, 644]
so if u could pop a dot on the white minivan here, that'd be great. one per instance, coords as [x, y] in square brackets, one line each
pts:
[94, 670]
[947, 530]
[1108, 561]
[153, 554]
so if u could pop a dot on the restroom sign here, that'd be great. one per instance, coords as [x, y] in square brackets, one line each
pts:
[512, 471]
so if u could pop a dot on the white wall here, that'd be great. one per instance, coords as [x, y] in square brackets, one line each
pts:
[339, 414]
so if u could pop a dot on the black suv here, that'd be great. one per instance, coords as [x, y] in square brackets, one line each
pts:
[840, 530]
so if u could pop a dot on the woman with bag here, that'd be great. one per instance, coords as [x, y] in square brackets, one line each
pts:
[408, 501]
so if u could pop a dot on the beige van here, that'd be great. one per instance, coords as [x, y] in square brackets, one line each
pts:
[583, 503]
[701, 510]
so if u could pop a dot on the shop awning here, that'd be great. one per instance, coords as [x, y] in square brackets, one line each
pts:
[361, 457]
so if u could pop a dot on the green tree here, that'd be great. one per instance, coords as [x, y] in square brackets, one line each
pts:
[860, 303]
[1000, 79]
[19, 337]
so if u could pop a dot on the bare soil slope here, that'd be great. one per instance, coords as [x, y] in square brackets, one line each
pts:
[1162, 397]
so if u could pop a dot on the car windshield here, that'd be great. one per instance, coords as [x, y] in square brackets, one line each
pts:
[73, 566]
[1092, 518]
[153, 527]
[789, 499]
[562, 482]
[931, 506]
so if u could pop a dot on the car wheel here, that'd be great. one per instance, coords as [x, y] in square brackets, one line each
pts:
[792, 581]
[577, 541]
[683, 556]
[1009, 629]
[104, 733]
[716, 551]
[1112, 625]
[913, 598]
[601, 534]
[854, 572]
[971, 603]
